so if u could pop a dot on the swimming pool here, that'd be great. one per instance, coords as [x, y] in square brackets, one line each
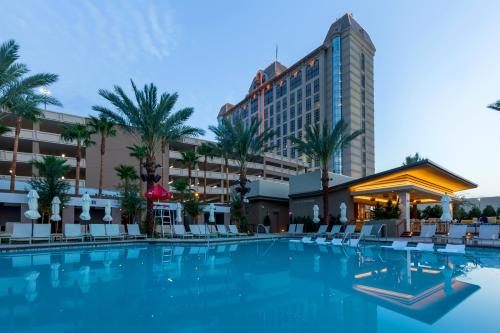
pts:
[267, 286]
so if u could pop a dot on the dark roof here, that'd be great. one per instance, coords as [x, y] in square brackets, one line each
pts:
[387, 172]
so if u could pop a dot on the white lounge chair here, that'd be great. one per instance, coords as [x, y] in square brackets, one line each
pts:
[134, 231]
[221, 230]
[113, 231]
[420, 247]
[233, 230]
[41, 232]
[396, 245]
[427, 231]
[72, 231]
[366, 229]
[203, 230]
[453, 248]
[335, 230]
[299, 229]
[180, 231]
[291, 228]
[98, 231]
[305, 239]
[457, 232]
[21, 232]
[488, 232]
[322, 229]
[195, 230]
[349, 230]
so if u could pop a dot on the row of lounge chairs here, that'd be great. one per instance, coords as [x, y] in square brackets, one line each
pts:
[25, 232]
[348, 237]
[199, 230]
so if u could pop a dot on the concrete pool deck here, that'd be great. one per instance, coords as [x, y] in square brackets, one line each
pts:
[495, 244]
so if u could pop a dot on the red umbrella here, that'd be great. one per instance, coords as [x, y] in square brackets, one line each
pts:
[157, 193]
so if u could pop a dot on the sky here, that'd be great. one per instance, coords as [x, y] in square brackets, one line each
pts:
[437, 63]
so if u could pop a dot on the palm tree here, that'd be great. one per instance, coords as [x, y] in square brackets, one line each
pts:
[150, 119]
[248, 144]
[105, 127]
[139, 152]
[20, 95]
[190, 160]
[410, 159]
[207, 150]
[131, 201]
[4, 129]
[321, 143]
[495, 106]
[224, 148]
[126, 173]
[80, 134]
[50, 182]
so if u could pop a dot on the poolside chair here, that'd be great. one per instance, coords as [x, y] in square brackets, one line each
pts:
[376, 232]
[233, 230]
[203, 230]
[98, 231]
[291, 228]
[180, 231]
[195, 230]
[41, 232]
[299, 229]
[427, 231]
[457, 232]
[365, 231]
[488, 232]
[113, 231]
[72, 231]
[322, 229]
[21, 232]
[134, 231]
[396, 245]
[221, 229]
[305, 239]
[349, 230]
[335, 230]
[453, 248]
[419, 247]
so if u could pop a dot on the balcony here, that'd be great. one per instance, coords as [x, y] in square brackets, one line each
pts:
[40, 136]
[22, 183]
[6, 156]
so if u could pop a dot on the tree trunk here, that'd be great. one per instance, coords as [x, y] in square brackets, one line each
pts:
[243, 182]
[163, 163]
[189, 176]
[78, 159]
[101, 166]
[324, 184]
[150, 171]
[205, 179]
[226, 166]
[14, 154]
[140, 179]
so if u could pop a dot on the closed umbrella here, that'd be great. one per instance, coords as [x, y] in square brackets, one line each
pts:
[107, 212]
[178, 215]
[315, 213]
[343, 213]
[85, 215]
[445, 204]
[56, 211]
[211, 215]
[32, 212]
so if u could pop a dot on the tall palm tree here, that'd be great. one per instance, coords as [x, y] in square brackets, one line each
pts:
[207, 150]
[80, 134]
[20, 94]
[126, 173]
[105, 127]
[495, 106]
[190, 160]
[322, 143]
[150, 119]
[248, 144]
[139, 152]
[224, 148]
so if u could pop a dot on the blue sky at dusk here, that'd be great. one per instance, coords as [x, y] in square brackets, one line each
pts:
[437, 63]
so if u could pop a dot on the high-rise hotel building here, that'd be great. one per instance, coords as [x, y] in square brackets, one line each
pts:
[333, 82]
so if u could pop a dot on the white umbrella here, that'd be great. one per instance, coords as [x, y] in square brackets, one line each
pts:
[107, 212]
[211, 215]
[85, 215]
[343, 212]
[315, 213]
[56, 210]
[32, 212]
[178, 215]
[445, 204]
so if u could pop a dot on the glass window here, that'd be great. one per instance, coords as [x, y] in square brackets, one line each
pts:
[292, 98]
[281, 89]
[292, 126]
[308, 119]
[296, 79]
[308, 104]
[271, 110]
[308, 90]
[312, 69]
[292, 112]
[278, 119]
[285, 116]
[316, 86]
[299, 108]
[285, 129]
[268, 95]
[278, 106]
[299, 122]
[254, 105]
[299, 95]
[316, 116]
[284, 103]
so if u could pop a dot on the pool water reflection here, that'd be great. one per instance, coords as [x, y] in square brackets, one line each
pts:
[262, 286]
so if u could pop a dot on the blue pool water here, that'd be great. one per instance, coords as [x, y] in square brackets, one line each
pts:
[254, 287]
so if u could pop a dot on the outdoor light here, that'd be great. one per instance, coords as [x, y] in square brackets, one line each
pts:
[63, 155]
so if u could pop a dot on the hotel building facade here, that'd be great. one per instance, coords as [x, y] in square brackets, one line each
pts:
[333, 82]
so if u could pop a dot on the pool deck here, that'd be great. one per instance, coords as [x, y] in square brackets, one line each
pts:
[5, 247]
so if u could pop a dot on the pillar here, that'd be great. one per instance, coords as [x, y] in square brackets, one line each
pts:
[404, 201]
[116, 214]
[24, 219]
[68, 215]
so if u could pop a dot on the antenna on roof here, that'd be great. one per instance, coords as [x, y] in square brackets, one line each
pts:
[276, 55]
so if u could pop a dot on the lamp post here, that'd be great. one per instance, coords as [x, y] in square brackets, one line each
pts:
[45, 91]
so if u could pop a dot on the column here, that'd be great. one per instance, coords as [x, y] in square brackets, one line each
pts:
[404, 201]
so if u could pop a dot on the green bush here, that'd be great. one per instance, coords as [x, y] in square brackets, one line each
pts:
[389, 211]
[489, 211]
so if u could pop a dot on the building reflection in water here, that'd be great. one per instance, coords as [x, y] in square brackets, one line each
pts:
[270, 287]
